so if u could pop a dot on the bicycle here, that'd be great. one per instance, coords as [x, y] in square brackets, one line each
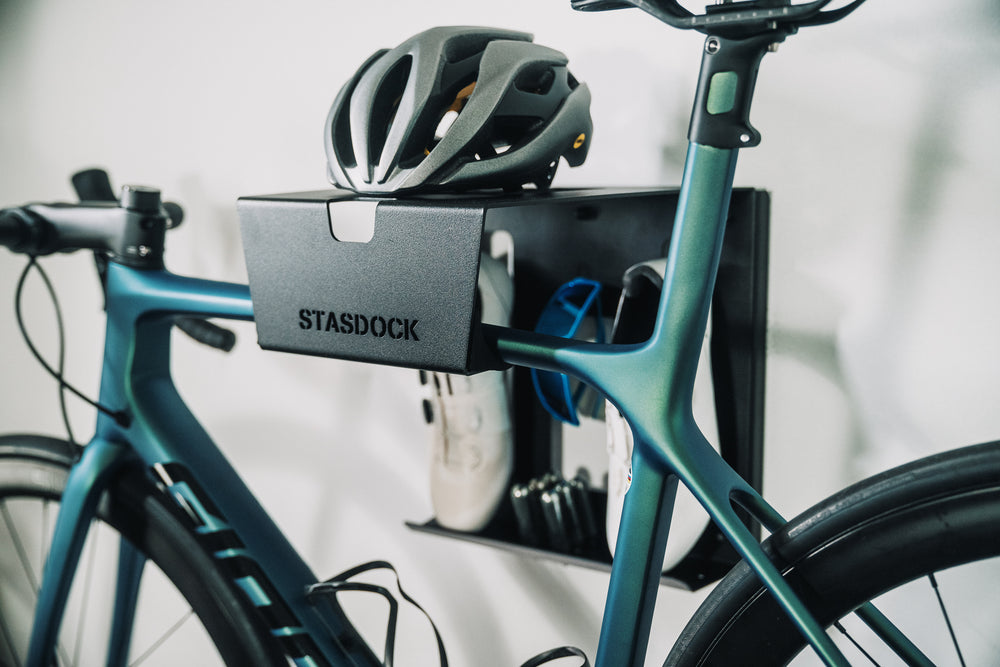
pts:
[892, 505]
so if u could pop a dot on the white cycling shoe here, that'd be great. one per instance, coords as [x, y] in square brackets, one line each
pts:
[473, 448]
[689, 519]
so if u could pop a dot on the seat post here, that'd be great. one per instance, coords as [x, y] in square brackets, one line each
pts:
[721, 114]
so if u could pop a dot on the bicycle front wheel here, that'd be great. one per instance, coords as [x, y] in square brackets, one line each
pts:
[919, 541]
[188, 613]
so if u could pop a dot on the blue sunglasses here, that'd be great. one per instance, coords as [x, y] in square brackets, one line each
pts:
[563, 316]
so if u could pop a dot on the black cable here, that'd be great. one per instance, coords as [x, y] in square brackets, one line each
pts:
[120, 417]
[32, 263]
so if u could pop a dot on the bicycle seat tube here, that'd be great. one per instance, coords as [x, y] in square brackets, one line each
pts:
[652, 383]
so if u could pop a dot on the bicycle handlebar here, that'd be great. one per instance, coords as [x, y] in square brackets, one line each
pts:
[130, 231]
[18, 231]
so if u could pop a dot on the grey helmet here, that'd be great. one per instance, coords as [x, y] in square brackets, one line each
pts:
[455, 108]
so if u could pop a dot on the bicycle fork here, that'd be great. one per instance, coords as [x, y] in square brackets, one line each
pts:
[87, 481]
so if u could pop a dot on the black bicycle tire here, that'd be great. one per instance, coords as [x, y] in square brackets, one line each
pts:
[135, 509]
[926, 516]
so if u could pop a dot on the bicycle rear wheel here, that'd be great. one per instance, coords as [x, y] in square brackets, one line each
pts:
[192, 613]
[883, 540]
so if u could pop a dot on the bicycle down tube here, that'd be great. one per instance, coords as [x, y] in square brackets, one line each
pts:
[162, 431]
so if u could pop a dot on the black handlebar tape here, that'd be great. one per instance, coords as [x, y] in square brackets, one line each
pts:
[207, 333]
[23, 231]
[13, 230]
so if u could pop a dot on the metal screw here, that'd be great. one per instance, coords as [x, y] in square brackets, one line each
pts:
[744, 137]
[713, 45]
[144, 250]
[773, 47]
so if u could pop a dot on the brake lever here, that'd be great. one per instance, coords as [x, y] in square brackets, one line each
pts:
[207, 333]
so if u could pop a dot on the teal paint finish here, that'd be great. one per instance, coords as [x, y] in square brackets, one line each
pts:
[160, 429]
[131, 563]
[254, 591]
[86, 481]
[667, 439]
[163, 430]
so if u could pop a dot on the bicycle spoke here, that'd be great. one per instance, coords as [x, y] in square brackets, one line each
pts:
[22, 554]
[10, 645]
[851, 639]
[947, 619]
[9, 640]
[166, 635]
[25, 561]
[29, 572]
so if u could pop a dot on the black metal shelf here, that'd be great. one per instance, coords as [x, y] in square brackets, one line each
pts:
[600, 239]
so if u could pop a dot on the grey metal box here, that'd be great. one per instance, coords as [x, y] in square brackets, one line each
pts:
[406, 297]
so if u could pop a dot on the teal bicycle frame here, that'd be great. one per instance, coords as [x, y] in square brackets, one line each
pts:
[157, 431]
[162, 433]
[668, 444]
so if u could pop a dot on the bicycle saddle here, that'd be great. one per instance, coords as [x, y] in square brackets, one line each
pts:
[734, 19]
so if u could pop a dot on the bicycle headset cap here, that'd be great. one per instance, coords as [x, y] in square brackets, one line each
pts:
[454, 108]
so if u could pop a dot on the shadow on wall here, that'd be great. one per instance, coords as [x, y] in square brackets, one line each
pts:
[933, 293]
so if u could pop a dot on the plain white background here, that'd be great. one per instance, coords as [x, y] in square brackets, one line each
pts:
[879, 147]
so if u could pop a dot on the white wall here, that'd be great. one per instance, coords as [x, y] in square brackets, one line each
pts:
[879, 142]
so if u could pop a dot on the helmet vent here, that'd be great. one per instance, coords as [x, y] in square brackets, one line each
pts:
[450, 114]
[385, 105]
[536, 80]
[341, 136]
[514, 131]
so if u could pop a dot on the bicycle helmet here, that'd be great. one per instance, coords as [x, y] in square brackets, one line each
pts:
[454, 108]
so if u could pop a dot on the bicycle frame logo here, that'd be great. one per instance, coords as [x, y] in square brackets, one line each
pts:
[379, 326]
[220, 540]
